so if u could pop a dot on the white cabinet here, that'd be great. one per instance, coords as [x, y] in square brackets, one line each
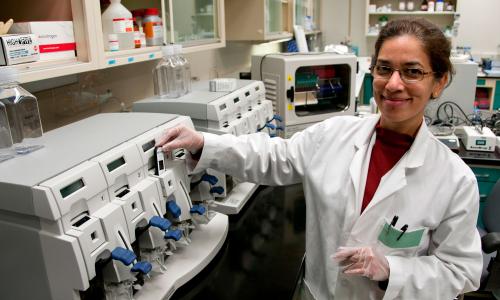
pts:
[259, 20]
[182, 23]
[203, 30]
[84, 32]
[380, 11]
[196, 23]
[307, 14]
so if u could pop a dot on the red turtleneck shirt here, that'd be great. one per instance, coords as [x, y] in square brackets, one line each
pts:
[389, 147]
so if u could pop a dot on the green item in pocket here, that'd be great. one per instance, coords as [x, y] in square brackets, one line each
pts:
[389, 237]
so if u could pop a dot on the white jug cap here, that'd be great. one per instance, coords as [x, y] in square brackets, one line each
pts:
[167, 50]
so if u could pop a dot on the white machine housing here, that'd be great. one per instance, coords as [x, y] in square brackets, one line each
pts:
[461, 90]
[242, 111]
[64, 207]
[307, 88]
[477, 139]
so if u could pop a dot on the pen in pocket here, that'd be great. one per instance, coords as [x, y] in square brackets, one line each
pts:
[403, 230]
[393, 223]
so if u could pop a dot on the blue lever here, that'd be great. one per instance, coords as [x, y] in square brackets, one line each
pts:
[198, 209]
[160, 222]
[209, 178]
[270, 125]
[143, 267]
[277, 118]
[124, 255]
[173, 234]
[217, 189]
[173, 208]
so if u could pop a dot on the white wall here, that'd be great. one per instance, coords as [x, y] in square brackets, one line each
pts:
[228, 61]
[479, 26]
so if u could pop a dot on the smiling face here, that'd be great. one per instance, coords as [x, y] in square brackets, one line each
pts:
[402, 104]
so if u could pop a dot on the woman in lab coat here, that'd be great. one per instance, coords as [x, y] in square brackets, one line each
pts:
[391, 212]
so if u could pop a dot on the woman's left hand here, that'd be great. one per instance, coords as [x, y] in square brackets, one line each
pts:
[363, 261]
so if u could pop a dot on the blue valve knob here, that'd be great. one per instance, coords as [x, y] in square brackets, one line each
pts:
[270, 125]
[278, 118]
[173, 208]
[198, 209]
[217, 189]
[143, 267]
[124, 255]
[159, 222]
[173, 234]
[209, 178]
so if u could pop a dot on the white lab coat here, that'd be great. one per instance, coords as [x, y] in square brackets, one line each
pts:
[430, 188]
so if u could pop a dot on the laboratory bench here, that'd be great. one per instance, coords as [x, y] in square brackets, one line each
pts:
[263, 252]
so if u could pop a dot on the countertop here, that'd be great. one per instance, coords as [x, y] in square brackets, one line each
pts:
[263, 252]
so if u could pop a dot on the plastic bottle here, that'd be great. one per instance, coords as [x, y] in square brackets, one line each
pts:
[153, 27]
[137, 14]
[424, 6]
[117, 19]
[165, 75]
[113, 44]
[21, 108]
[440, 5]
[402, 5]
[142, 37]
[410, 6]
[186, 69]
[431, 5]
[180, 71]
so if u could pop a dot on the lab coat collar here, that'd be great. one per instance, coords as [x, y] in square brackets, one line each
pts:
[415, 155]
[395, 179]
[366, 131]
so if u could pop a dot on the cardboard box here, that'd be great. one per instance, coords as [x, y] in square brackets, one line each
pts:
[56, 38]
[18, 48]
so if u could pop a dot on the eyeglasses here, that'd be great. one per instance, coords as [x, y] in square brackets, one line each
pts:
[408, 75]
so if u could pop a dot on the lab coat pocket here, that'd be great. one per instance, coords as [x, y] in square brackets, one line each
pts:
[397, 242]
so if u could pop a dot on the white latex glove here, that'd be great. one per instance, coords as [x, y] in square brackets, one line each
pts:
[181, 137]
[363, 261]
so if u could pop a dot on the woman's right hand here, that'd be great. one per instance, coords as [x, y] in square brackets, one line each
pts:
[181, 137]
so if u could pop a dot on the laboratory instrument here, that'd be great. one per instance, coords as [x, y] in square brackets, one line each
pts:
[238, 112]
[477, 138]
[307, 88]
[461, 90]
[86, 217]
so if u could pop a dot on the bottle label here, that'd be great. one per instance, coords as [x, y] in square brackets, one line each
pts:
[153, 29]
[121, 25]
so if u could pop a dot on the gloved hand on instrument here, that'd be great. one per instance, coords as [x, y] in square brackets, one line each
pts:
[363, 261]
[181, 137]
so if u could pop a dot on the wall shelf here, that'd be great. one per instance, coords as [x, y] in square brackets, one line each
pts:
[87, 26]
